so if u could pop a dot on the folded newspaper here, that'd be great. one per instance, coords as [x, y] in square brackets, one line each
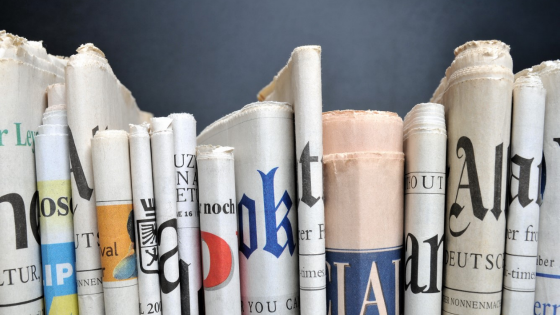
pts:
[477, 102]
[96, 100]
[299, 84]
[265, 186]
[26, 70]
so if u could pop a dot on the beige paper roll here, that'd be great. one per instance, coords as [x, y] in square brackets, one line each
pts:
[363, 176]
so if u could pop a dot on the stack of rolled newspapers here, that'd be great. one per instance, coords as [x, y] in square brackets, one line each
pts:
[278, 208]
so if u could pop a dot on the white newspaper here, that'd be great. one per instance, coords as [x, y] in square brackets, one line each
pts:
[425, 144]
[56, 220]
[188, 221]
[299, 83]
[547, 293]
[145, 219]
[218, 225]
[263, 137]
[115, 218]
[166, 213]
[25, 73]
[478, 115]
[96, 100]
[524, 194]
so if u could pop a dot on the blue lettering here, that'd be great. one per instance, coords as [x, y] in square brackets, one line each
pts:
[270, 208]
[250, 205]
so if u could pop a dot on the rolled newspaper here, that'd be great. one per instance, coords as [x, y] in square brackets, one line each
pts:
[218, 225]
[263, 137]
[547, 293]
[145, 220]
[425, 141]
[363, 165]
[96, 100]
[524, 194]
[26, 70]
[299, 83]
[478, 115]
[115, 217]
[188, 220]
[55, 216]
[166, 214]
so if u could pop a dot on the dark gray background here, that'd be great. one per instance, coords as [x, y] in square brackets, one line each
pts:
[211, 57]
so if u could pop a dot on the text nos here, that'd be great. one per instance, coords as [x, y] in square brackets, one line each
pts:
[49, 207]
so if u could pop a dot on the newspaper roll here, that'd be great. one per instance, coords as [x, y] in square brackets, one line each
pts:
[25, 72]
[363, 165]
[188, 220]
[115, 217]
[55, 216]
[547, 293]
[145, 220]
[96, 101]
[299, 83]
[425, 141]
[166, 214]
[524, 195]
[218, 224]
[263, 137]
[478, 112]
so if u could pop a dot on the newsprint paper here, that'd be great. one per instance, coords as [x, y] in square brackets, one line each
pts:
[55, 216]
[547, 293]
[145, 219]
[218, 225]
[166, 213]
[524, 194]
[478, 115]
[188, 222]
[299, 83]
[425, 142]
[96, 100]
[363, 167]
[115, 218]
[263, 137]
[25, 72]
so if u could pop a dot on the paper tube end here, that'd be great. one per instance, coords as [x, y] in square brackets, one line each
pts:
[182, 116]
[482, 44]
[213, 152]
[139, 130]
[110, 134]
[160, 124]
[546, 67]
[56, 94]
[528, 78]
[90, 48]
